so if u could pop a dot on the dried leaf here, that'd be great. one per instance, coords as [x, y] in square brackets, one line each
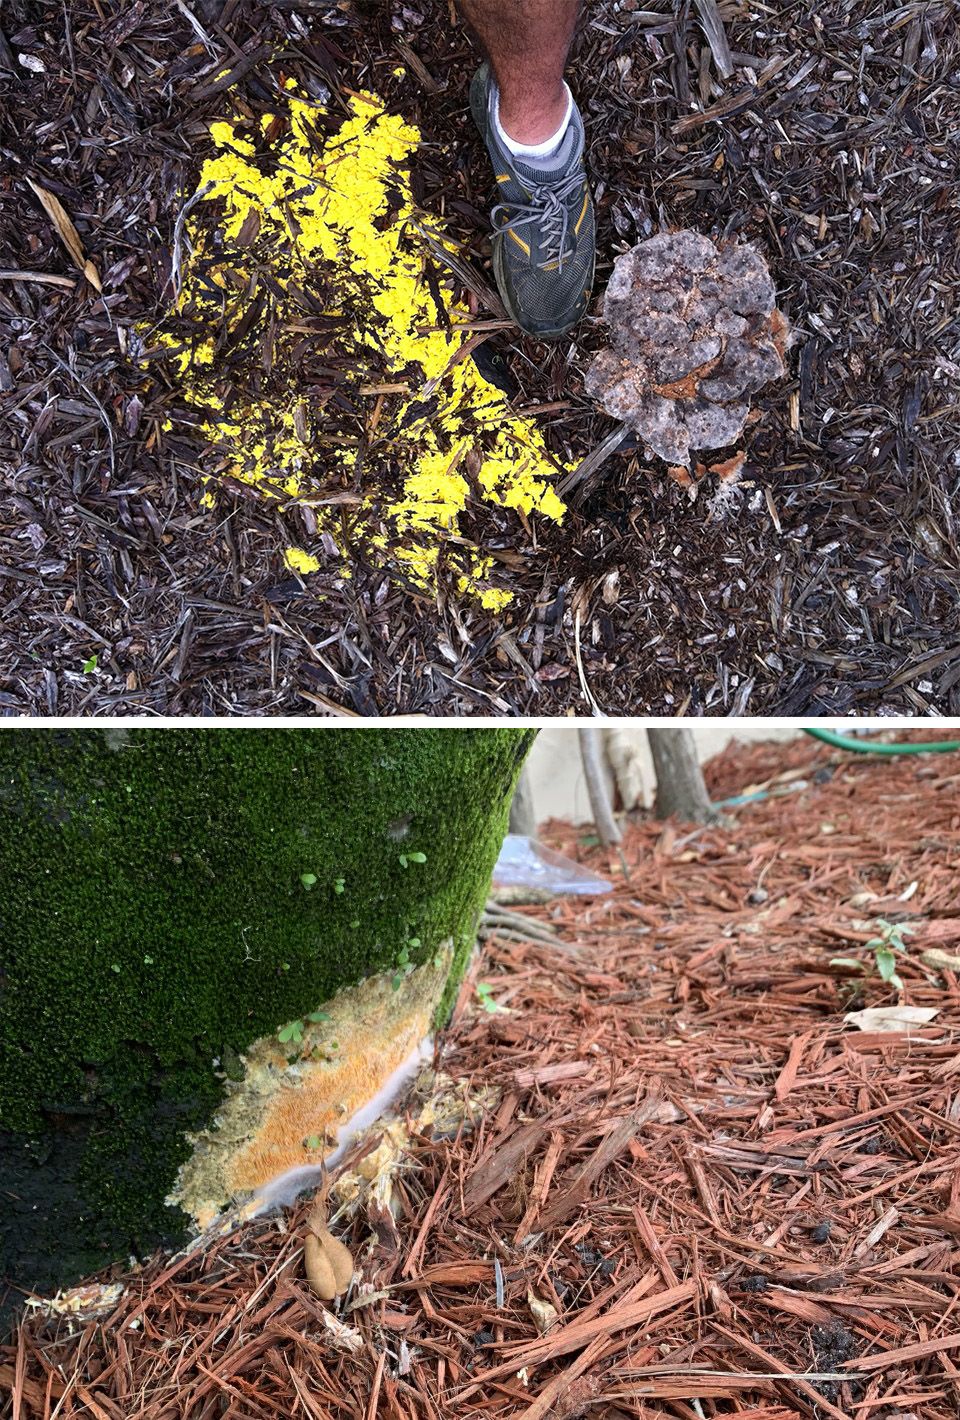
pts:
[67, 232]
[342, 1337]
[544, 1313]
[611, 587]
[946, 961]
[891, 1018]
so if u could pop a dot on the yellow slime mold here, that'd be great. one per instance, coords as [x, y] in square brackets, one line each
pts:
[313, 256]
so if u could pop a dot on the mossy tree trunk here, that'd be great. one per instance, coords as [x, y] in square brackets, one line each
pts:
[167, 897]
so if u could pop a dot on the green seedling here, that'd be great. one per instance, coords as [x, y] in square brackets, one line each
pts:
[404, 963]
[293, 1030]
[406, 858]
[90, 666]
[885, 947]
[339, 885]
[308, 880]
[485, 997]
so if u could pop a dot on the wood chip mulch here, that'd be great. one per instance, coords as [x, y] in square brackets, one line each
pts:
[827, 584]
[735, 1203]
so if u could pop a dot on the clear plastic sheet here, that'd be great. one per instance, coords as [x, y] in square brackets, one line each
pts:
[525, 863]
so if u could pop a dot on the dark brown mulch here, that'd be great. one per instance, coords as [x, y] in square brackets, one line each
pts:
[736, 1202]
[829, 585]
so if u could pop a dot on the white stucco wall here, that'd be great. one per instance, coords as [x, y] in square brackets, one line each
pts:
[559, 790]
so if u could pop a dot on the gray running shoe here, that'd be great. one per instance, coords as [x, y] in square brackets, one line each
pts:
[544, 239]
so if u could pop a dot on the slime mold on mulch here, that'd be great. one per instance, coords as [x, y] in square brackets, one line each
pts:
[326, 353]
[694, 333]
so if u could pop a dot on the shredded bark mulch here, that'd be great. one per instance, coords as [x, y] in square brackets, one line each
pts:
[734, 1202]
[826, 581]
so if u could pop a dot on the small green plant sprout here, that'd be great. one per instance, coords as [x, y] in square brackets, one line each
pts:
[406, 858]
[90, 666]
[313, 1141]
[485, 997]
[404, 964]
[148, 961]
[339, 885]
[308, 880]
[317, 1016]
[884, 946]
[291, 1032]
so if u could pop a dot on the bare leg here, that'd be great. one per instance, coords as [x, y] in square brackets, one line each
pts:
[527, 42]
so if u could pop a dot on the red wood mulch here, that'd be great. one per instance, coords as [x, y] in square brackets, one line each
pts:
[736, 1203]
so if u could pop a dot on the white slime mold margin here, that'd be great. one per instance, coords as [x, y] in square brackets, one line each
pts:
[282, 1190]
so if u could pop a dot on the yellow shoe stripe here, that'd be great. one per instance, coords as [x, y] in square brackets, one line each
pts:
[503, 177]
[583, 211]
[519, 241]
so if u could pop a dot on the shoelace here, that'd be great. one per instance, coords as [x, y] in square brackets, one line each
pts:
[547, 206]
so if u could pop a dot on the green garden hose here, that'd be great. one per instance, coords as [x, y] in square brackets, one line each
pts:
[830, 737]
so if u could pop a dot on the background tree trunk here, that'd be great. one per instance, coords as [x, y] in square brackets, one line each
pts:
[523, 817]
[591, 753]
[681, 790]
[170, 899]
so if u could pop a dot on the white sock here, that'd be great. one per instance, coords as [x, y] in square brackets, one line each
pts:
[532, 150]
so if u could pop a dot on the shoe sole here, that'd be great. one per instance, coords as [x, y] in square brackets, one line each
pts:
[478, 111]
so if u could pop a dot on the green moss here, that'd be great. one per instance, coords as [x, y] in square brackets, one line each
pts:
[156, 917]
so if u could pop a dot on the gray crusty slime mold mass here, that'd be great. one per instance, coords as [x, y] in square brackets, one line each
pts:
[694, 334]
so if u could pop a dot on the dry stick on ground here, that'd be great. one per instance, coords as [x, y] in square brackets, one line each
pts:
[590, 465]
[176, 257]
[44, 278]
[591, 754]
[516, 926]
[716, 36]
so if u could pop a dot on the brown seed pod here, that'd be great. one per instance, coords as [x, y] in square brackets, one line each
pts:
[319, 1269]
[317, 1217]
[336, 1253]
[340, 1259]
